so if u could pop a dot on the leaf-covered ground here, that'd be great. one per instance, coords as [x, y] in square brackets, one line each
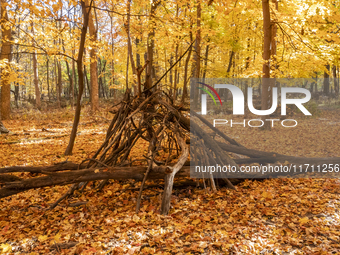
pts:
[277, 216]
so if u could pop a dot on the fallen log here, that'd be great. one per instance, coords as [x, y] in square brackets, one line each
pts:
[9, 178]
[137, 173]
[64, 178]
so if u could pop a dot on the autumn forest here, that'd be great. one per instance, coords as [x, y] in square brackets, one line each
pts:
[111, 112]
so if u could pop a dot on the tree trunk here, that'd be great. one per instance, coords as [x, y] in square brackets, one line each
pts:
[206, 61]
[336, 84]
[112, 62]
[74, 79]
[197, 57]
[93, 65]
[70, 78]
[80, 78]
[151, 44]
[266, 57]
[231, 56]
[59, 84]
[175, 76]
[185, 85]
[171, 80]
[36, 78]
[36, 81]
[130, 54]
[6, 53]
[326, 80]
[48, 79]
[273, 65]
[87, 83]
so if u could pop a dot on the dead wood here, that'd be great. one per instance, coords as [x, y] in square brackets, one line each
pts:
[64, 178]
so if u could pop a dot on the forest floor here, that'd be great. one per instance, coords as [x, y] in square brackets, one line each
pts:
[275, 216]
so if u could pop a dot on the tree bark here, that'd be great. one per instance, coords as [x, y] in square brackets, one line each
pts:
[59, 79]
[112, 62]
[266, 58]
[326, 80]
[80, 77]
[48, 78]
[175, 76]
[206, 61]
[197, 56]
[336, 84]
[70, 78]
[64, 178]
[232, 53]
[93, 65]
[6, 54]
[185, 85]
[36, 78]
[36, 81]
[151, 43]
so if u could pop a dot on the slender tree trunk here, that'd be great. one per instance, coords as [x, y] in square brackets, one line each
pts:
[206, 61]
[48, 79]
[75, 93]
[336, 84]
[266, 57]
[185, 85]
[36, 78]
[56, 80]
[326, 80]
[36, 81]
[171, 80]
[130, 54]
[139, 69]
[87, 83]
[6, 53]
[197, 56]
[230, 63]
[80, 77]
[151, 43]
[112, 62]
[273, 60]
[70, 78]
[58, 88]
[94, 97]
[16, 89]
[175, 76]
[74, 82]
[102, 79]
[127, 71]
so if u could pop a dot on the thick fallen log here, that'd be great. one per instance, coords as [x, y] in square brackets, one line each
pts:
[137, 173]
[64, 178]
